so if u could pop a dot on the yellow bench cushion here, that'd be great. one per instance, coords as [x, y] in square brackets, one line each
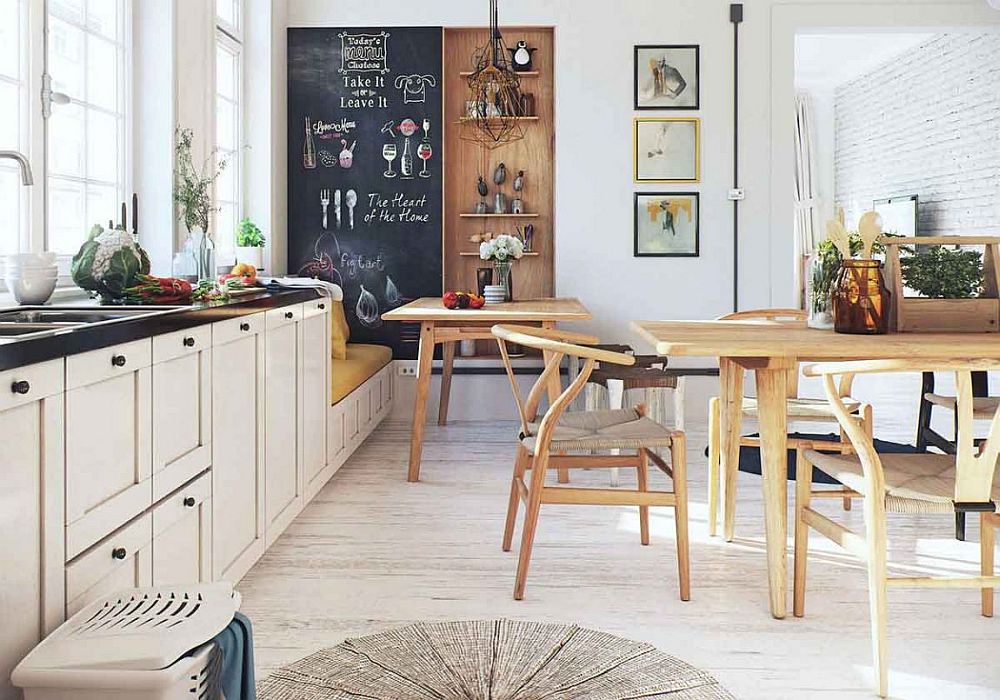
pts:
[340, 332]
[360, 363]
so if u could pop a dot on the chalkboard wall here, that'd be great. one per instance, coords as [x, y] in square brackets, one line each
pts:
[364, 107]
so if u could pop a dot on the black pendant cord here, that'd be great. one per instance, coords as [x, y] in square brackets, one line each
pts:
[736, 17]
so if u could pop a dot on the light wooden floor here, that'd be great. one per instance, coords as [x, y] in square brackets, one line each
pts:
[373, 551]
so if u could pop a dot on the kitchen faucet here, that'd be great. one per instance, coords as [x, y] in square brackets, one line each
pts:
[26, 177]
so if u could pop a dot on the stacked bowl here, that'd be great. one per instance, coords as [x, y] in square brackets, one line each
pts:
[495, 293]
[31, 277]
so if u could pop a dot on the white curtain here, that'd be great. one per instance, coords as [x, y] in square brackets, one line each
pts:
[806, 224]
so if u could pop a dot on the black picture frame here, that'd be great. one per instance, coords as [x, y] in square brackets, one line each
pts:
[696, 220]
[696, 48]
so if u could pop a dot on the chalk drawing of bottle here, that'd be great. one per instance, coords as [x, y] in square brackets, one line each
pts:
[406, 162]
[309, 148]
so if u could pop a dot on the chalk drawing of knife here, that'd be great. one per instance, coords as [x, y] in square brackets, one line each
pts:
[336, 206]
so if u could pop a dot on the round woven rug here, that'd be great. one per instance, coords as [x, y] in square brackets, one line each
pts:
[490, 660]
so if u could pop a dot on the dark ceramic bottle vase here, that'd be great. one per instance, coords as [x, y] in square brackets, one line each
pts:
[860, 298]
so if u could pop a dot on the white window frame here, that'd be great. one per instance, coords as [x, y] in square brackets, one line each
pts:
[126, 104]
[230, 36]
[23, 82]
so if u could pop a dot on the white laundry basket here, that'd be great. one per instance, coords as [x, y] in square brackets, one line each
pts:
[134, 645]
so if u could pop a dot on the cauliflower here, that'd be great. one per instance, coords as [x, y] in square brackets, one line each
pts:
[109, 262]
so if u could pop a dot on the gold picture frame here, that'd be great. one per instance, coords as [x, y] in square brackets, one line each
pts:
[666, 150]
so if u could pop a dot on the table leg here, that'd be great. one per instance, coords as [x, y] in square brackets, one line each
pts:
[771, 398]
[555, 389]
[425, 364]
[447, 361]
[730, 425]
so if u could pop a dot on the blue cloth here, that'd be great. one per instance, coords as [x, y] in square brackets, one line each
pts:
[236, 679]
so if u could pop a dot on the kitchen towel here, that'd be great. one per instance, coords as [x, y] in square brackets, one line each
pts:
[236, 680]
[328, 289]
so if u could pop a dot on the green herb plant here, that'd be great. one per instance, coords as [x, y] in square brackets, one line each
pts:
[248, 235]
[193, 185]
[938, 272]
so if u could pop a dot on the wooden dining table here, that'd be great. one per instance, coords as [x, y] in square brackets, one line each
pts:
[449, 326]
[770, 349]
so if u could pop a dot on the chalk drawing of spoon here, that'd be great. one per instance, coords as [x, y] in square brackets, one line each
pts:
[352, 200]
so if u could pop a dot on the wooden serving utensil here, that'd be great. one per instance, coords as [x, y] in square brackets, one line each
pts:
[837, 234]
[870, 228]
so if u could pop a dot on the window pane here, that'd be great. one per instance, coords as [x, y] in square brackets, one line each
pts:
[66, 58]
[102, 17]
[102, 206]
[102, 74]
[102, 146]
[225, 186]
[226, 10]
[10, 45]
[10, 118]
[66, 140]
[225, 72]
[225, 237]
[67, 215]
[71, 10]
[225, 125]
[10, 209]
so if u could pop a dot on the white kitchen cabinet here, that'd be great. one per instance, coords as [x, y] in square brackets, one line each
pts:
[314, 366]
[238, 529]
[31, 533]
[283, 474]
[108, 441]
[182, 535]
[182, 407]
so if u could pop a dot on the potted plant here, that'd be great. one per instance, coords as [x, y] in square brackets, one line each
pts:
[249, 244]
[193, 196]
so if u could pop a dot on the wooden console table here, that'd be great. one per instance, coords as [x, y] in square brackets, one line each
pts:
[770, 349]
[449, 326]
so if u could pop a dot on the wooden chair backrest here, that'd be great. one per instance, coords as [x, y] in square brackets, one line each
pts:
[974, 467]
[792, 317]
[555, 344]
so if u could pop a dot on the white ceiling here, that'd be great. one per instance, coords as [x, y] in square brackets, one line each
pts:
[824, 61]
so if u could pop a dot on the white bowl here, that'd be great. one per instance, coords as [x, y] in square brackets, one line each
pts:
[31, 291]
[40, 273]
[31, 259]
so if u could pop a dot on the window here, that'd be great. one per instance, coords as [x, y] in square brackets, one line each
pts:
[228, 124]
[13, 123]
[87, 169]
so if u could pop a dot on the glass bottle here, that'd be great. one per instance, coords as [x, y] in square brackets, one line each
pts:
[820, 278]
[860, 298]
[309, 148]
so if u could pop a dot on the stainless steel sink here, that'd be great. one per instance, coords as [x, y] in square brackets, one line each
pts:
[25, 322]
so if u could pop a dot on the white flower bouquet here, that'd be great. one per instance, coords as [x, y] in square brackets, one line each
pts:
[503, 248]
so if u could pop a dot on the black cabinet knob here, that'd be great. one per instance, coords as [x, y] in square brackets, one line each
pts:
[118, 553]
[244, 327]
[118, 360]
[22, 387]
[189, 342]
[321, 306]
[289, 314]
[189, 501]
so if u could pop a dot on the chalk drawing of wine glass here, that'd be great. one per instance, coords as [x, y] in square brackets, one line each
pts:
[424, 152]
[389, 152]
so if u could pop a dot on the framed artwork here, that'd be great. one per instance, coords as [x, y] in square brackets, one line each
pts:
[667, 149]
[667, 224]
[667, 77]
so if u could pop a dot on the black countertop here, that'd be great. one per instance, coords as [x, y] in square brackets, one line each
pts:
[18, 353]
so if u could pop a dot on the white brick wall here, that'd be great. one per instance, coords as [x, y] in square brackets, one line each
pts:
[926, 123]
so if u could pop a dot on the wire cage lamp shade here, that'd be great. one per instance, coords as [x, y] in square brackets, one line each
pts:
[494, 102]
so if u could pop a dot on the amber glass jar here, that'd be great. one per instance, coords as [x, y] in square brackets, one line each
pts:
[860, 298]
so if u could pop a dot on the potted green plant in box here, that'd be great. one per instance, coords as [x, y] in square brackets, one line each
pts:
[249, 244]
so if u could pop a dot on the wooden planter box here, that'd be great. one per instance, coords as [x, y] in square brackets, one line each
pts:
[919, 315]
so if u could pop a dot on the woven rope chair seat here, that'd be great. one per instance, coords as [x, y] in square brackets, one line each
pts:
[490, 660]
[914, 483]
[616, 429]
[817, 409]
[983, 408]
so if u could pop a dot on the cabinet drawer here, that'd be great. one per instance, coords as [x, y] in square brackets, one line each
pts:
[97, 365]
[315, 308]
[182, 535]
[227, 331]
[121, 560]
[283, 316]
[181, 502]
[185, 342]
[27, 384]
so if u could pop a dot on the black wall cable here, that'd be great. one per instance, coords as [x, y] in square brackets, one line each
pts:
[736, 17]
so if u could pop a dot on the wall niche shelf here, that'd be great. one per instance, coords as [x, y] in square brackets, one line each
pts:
[522, 74]
[499, 216]
[462, 120]
[466, 254]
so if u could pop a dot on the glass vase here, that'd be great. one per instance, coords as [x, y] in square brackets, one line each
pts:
[205, 255]
[501, 269]
[860, 298]
[820, 277]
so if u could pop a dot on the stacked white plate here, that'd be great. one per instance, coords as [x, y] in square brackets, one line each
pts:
[494, 293]
[31, 277]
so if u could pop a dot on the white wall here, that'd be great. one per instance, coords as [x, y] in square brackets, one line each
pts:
[926, 123]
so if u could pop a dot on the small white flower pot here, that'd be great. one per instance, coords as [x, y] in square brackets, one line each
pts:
[253, 256]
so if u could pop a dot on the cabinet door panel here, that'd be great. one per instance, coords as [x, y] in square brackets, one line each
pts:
[182, 526]
[108, 456]
[315, 393]
[237, 454]
[281, 398]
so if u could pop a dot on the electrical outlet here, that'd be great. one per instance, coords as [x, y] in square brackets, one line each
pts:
[736, 194]
[407, 368]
